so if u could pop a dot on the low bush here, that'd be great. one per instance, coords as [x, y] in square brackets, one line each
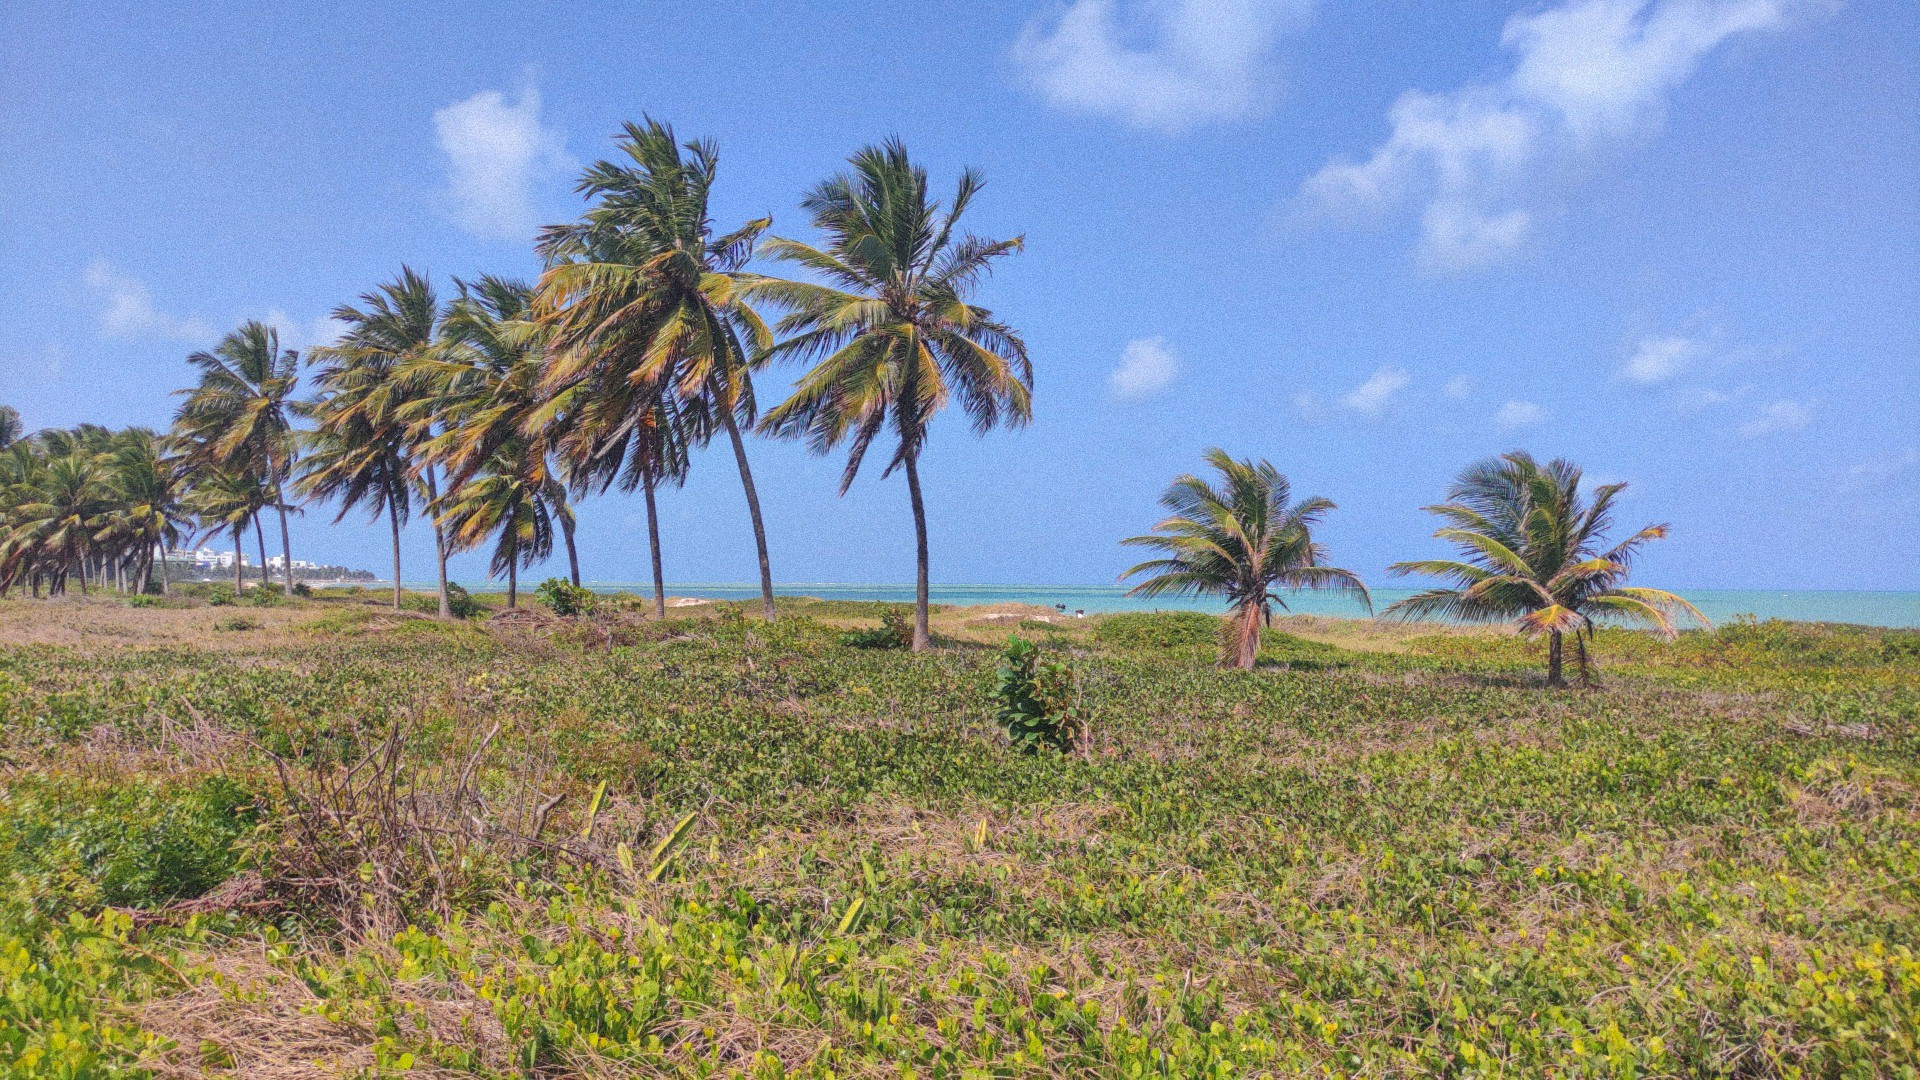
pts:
[1157, 630]
[460, 603]
[564, 598]
[894, 632]
[143, 600]
[264, 594]
[1040, 701]
[236, 622]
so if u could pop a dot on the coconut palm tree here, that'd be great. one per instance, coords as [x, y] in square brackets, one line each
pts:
[1242, 540]
[1534, 551]
[226, 501]
[511, 500]
[149, 515]
[67, 503]
[892, 334]
[486, 379]
[239, 417]
[644, 300]
[364, 427]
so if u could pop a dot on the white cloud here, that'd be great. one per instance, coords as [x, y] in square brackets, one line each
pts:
[1781, 416]
[301, 336]
[1658, 359]
[1458, 387]
[1586, 71]
[129, 309]
[495, 153]
[1519, 414]
[1147, 366]
[1203, 60]
[1370, 398]
[1878, 471]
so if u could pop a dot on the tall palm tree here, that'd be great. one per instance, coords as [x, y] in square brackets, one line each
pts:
[66, 503]
[362, 417]
[1240, 540]
[1534, 551]
[511, 500]
[149, 516]
[642, 294]
[892, 332]
[485, 380]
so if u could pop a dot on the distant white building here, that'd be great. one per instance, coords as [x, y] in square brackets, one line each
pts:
[275, 562]
[204, 559]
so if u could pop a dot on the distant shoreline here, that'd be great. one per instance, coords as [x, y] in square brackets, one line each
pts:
[1899, 609]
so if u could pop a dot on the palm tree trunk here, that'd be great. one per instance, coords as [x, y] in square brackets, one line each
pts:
[921, 637]
[1243, 648]
[81, 562]
[286, 545]
[573, 553]
[653, 543]
[513, 576]
[439, 545]
[239, 558]
[393, 520]
[1554, 676]
[260, 536]
[1580, 658]
[166, 587]
[753, 511]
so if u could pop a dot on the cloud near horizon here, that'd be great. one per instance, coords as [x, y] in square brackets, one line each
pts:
[1204, 61]
[1586, 72]
[496, 152]
[1147, 367]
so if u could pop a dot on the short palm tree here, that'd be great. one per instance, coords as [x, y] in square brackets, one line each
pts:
[1242, 540]
[512, 501]
[1534, 551]
[644, 302]
[239, 417]
[892, 334]
[363, 424]
[227, 501]
[66, 504]
[149, 517]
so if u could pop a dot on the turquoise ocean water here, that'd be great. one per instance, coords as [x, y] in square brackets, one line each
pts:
[1720, 605]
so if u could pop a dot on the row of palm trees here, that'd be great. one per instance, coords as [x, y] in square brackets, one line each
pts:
[492, 412]
[1533, 551]
[87, 506]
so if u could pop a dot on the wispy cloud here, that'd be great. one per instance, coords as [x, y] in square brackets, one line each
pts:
[1203, 61]
[1370, 398]
[1585, 72]
[496, 152]
[1877, 471]
[1782, 416]
[1658, 359]
[1515, 415]
[303, 335]
[128, 309]
[1458, 388]
[1147, 367]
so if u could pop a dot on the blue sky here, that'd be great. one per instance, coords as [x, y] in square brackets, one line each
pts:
[1675, 240]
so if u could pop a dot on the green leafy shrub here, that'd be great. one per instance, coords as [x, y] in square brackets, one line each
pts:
[1157, 630]
[894, 632]
[564, 598]
[303, 590]
[1040, 701]
[236, 622]
[143, 600]
[78, 845]
[460, 603]
[218, 594]
[265, 594]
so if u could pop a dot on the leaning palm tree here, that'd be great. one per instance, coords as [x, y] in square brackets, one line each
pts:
[239, 417]
[150, 516]
[65, 505]
[641, 295]
[892, 333]
[227, 501]
[1534, 551]
[1242, 540]
[363, 422]
[512, 501]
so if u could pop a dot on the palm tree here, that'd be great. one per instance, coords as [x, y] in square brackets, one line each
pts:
[892, 333]
[149, 514]
[485, 380]
[1241, 540]
[511, 499]
[65, 504]
[239, 417]
[10, 428]
[225, 500]
[365, 427]
[642, 295]
[1534, 550]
